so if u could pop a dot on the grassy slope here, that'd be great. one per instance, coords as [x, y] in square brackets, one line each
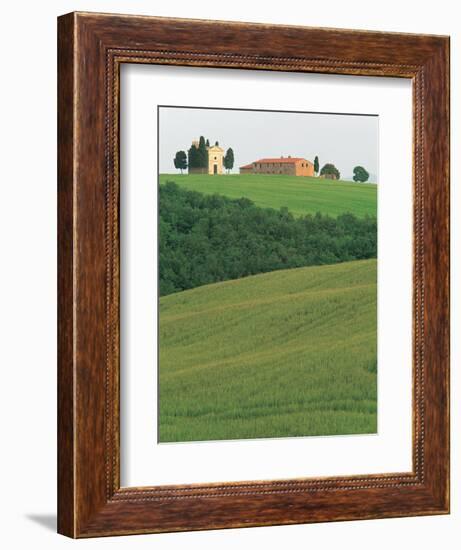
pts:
[287, 353]
[302, 195]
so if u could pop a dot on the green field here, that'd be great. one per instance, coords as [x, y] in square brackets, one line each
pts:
[286, 353]
[301, 195]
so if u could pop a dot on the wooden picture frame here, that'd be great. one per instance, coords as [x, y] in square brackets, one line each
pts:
[91, 49]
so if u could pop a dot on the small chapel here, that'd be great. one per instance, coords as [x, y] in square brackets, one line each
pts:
[215, 160]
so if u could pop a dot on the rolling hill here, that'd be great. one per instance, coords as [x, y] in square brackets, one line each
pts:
[286, 353]
[301, 195]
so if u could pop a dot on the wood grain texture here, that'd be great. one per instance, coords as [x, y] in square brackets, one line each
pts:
[91, 49]
[66, 487]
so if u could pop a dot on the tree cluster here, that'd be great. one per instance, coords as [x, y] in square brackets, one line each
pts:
[198, 156]
[360, 174]
[330, 170]
[209, 238]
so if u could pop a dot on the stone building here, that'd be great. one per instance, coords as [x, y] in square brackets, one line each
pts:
[290, 166]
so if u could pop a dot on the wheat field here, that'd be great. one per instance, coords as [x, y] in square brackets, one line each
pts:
[286, 353]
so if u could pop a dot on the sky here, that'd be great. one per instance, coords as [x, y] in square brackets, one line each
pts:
[341, 139]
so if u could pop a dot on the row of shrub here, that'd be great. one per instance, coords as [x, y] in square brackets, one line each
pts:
[209, 238]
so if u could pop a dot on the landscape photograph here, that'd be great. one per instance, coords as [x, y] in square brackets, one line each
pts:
[267, 274]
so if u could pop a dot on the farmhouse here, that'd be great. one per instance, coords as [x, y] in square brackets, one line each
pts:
[292, 166]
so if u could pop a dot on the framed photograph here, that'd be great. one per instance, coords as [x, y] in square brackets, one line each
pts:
[253, 259]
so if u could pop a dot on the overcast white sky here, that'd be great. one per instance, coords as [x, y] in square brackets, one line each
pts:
[344, 140]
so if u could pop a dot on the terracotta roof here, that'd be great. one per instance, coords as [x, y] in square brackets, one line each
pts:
[289, 160]
[247, 166]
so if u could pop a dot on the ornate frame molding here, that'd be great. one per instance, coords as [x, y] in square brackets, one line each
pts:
[91, 49]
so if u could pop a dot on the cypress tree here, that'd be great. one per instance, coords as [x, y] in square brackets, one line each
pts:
[202, 153]
[316, 165]
[229, 159]
[193, 159]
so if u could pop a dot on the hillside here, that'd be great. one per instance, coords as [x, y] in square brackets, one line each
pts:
[301, 195]
[205, 239]
[287, 353]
